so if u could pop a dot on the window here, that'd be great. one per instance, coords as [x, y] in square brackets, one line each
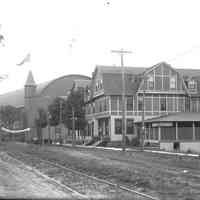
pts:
[150, 82]
[129, 104]
[158, 83]
[191, 84]
[101, 84]
[88, 93]
[114, 100]
[163, 104]
[181, 105]
[105, 104]
[194, 104]
[148, 103]
[155, 103]
[187, 104]
[100, 106]
[140, 103]
[172, 82]
[93, 108]
[118, 126]
[170, 104]
[57, 130]
[130, 126]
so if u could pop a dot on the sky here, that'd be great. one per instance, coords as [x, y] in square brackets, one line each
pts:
[73, 36]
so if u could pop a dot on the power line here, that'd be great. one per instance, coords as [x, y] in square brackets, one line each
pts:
[183, 53]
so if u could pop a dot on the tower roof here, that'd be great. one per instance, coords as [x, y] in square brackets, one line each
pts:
[30, 80]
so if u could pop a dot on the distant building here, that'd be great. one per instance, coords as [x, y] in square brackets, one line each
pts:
[166, 91]
[34, 96]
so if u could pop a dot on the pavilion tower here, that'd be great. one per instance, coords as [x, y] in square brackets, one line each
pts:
[29, 102]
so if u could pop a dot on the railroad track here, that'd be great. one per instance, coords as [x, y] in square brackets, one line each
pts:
[85, 185]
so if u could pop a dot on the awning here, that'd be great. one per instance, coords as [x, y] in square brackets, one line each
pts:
[177, 117]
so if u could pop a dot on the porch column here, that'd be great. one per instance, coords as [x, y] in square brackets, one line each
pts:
[109, 126]
[145, 133]
[149, 132]
[193, 130]
[96, 131]
[109, 102]
[159, 133]
[104, 127]
[176, 130]
[112, 127]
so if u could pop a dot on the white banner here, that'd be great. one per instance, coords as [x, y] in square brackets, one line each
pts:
[15, 131]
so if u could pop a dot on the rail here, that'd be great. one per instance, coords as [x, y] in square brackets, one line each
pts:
[124, 188]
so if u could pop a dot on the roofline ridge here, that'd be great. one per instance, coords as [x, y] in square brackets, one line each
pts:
[61, 77]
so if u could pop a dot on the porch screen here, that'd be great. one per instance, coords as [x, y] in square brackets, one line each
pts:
[185, 131]
[153, 133]
[168, 133]
[197, 130]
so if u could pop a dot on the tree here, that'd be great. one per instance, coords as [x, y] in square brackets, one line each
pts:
[55, 110]
[75, 102]
[41, 122]
[8, 115]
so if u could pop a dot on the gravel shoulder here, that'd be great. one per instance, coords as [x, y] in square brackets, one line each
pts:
[18, 181]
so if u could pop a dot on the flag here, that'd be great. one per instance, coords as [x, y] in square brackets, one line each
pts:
[26, 59]
[3, 77]
[2, 40]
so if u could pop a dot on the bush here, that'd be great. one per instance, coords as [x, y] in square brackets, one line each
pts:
[189, 151]
[135, 142]
[127, 141]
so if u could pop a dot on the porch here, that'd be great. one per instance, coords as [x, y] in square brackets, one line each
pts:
[177, 132]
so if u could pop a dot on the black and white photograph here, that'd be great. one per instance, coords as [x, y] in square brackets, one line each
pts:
[100, 99]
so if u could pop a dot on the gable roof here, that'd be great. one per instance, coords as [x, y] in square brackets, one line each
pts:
[112, 78]
[139, 70]
[118, 69]
[112, 83]
[189, 72]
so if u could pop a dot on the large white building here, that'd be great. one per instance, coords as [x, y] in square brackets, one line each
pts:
[166, 91]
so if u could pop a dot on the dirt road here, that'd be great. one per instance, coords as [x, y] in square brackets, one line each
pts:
[18, 181]
[164, 176]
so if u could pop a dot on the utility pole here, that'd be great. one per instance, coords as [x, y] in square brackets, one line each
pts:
[49, 134]
[60, 120]
[121, 53]
[143, 114]
[143, 118]
[73, 127]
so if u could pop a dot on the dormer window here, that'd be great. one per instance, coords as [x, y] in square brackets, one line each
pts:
[99, 85]
[96, 87]
[192, 85]
[173, 82]
[150, 82]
